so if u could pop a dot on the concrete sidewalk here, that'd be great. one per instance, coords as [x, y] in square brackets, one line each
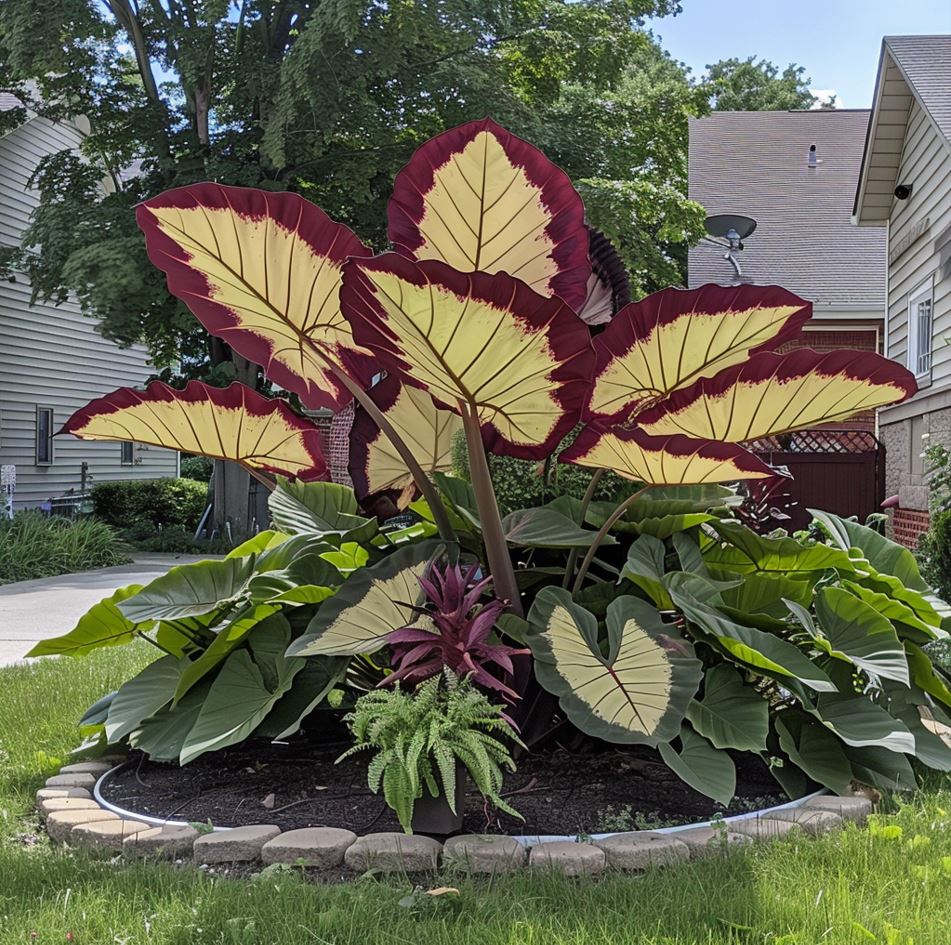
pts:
[31, 611]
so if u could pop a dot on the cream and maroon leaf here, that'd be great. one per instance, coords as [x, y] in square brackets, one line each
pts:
[428, 431]
[775, 393]
[479, 198]
[262, 271]
[663, 460]
[520, 360]
[233, 423]
[674, 337]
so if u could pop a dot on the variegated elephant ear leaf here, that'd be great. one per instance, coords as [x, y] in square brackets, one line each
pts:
[663, 460]
[428, 430]
[673, 338]
[486, 343]
[636, 690]
[233, 423]
[479, 198]
[772, 393]
[609, 287]
[262, 271]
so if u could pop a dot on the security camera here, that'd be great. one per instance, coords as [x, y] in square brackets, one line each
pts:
[903, 191]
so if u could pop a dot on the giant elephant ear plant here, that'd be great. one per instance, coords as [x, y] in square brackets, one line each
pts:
[498, 317]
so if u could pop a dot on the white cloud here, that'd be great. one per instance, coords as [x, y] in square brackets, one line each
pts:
[824, 95]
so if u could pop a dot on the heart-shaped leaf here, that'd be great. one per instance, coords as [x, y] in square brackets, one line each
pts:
[674, 337]
[705, 768]
[520, 360]
[232, 423]
[636, 691]
[730, 714]
[143, 695]
[546, 528]
[261, 270]
[325, 510]
[477, 197]
[815, 750]
[778, 393]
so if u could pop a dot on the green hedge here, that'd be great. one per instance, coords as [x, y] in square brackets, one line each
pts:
[34, 546]
[156, 502]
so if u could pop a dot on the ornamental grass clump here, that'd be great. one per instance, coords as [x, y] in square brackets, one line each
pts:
[421, 737]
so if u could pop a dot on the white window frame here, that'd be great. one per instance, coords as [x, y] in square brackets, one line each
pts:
[36, 448]
[126, 453]
[919, 357]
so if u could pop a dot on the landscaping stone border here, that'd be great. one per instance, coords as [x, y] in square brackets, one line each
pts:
[78, 815]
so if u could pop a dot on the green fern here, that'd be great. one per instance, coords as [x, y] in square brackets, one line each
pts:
[419, 736]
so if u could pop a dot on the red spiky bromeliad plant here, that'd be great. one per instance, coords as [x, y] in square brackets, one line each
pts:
[497, 316]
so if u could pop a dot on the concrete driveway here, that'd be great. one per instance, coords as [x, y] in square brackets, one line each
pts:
[31, 611]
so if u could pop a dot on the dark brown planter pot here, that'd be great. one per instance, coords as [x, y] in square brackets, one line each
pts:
[433, 815]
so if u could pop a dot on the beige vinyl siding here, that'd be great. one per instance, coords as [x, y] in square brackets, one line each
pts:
[926, 164]
[53, 356]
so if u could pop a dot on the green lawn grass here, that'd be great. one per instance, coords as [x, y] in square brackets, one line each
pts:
[891, 884]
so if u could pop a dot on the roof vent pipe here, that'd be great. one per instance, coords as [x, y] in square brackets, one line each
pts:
[813, 159]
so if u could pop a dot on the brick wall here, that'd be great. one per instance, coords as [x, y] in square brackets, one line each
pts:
[907, 526]
[337, 445]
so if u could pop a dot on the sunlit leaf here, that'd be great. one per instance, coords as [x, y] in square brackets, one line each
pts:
[861, 723]
[233, 423]
[664, 460]
[645, 568]
[637, 691]
[674, 337]
[325, 510]
[520, 360]
[774, 393]
[261, 270]
[747, 551]
[143, 695]
[477, 197]
[428, 431]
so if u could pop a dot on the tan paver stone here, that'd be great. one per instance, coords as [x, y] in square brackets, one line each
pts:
[855, 808]
[322, 847]
[86, 781]
[60, 823]
[567, 857]
[393, 852]
[66, 803]
[710, 841]
[45, 793]
[484, 853]
[812, 821]
[106, 835]
[761, 828]
[240, 845]
[642, 850]
[95, 768]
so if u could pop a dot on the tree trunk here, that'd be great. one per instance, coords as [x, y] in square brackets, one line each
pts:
[232, 482]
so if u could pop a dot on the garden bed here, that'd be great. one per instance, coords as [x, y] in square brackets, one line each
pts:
[298, 786]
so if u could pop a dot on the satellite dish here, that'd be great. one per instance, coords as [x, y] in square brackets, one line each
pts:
[730, 226]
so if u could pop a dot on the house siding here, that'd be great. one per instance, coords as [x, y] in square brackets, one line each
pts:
[53, 356]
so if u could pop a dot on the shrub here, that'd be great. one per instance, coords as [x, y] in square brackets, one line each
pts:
[155, 502]
[173, 539]
[934, 553]
[33, 546]
[198, 468]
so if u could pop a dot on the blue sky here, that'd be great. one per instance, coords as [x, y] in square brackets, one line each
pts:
[837, 41]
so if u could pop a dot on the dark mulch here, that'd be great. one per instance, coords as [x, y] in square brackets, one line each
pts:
[299, 786]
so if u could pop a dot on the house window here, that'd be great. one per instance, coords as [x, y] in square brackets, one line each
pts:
[127, 454]
[919, 330]
[44, 436]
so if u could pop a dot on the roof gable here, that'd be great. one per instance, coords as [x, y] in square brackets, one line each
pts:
[910, 69]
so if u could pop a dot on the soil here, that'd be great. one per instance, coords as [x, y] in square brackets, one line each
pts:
[557, 792]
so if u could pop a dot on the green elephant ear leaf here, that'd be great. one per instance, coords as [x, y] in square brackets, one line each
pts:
[861, 723]
[730, 714]
[546, 528]
[744, 550]
[637, 690]
[757, 649]
[249, 684]
[163, 734]
[930, 610]
[884, 769]
[860, 634]
[924, 675]
[102, 625]
[907, 623]
[815, 750]
[311, 686]
[645, 568]
[324, 509]
[706, 769]
[189, 590]
[369, 606]
[142, 696]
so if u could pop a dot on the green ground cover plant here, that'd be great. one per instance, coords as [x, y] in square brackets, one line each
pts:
[36, 546]
[886, 885]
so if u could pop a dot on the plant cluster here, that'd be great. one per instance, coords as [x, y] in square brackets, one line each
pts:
[422, 738]
[660, 620]
[157, 503]
[37, 546]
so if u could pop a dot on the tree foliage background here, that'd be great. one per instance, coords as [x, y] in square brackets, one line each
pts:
[329, 98]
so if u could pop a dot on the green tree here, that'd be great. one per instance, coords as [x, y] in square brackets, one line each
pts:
[751, 85]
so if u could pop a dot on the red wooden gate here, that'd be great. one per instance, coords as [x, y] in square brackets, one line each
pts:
[839, 471]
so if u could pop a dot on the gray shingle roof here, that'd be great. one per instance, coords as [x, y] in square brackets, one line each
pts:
[926, 64]
[755, 163]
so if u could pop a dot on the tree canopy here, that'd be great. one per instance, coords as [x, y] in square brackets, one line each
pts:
[757, 85]
[329, 99]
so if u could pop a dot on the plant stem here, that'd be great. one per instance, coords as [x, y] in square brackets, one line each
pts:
[265, 481]
[496, 547]
[585, 502]
[423, 482]
[602, 533]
